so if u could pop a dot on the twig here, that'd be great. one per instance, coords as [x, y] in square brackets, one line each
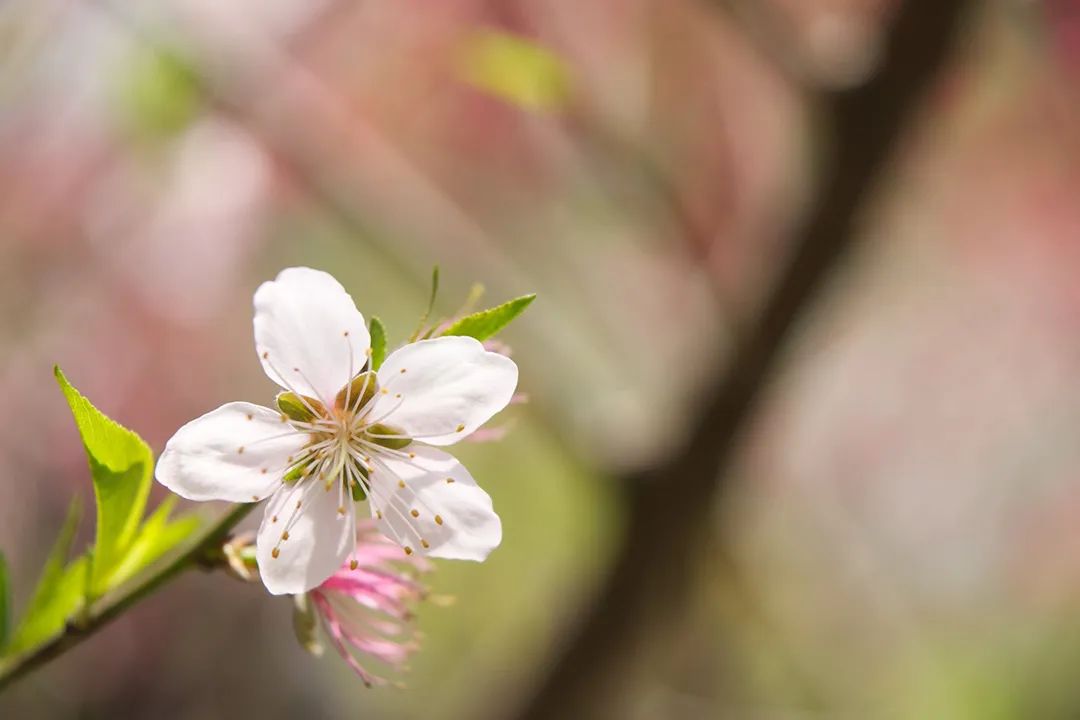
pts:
[670, 505]
[114, 605]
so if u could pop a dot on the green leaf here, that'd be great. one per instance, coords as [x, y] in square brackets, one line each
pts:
[120, 465]
[59, 592]
[430, 304]
[486, 323]
[378, 342]
[515, 69]
[156, 537]
[5, 603]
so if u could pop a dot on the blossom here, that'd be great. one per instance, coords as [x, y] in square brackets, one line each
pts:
[365, 611]
[343, 433]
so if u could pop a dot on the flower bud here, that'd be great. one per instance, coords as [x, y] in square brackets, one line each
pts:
[358, 392]
[305, 624]
[297, 408]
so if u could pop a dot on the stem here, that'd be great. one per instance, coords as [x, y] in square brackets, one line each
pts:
[117, 603]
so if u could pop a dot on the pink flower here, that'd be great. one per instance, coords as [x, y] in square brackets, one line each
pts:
[364, 607]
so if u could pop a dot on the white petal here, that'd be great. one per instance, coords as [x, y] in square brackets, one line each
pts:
[319, 536]
[309, 335]
[454, 518]
[441, 390]
[236, 453]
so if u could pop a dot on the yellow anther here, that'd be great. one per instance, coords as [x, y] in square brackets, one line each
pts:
[415, 513]
[341, 510]
[273, 519]
[449, 480]
[240, 450]
[353, 564]
[408, 550]
[274, 553]
[402, 370]
[378, 514]
[250, 416]
[285, 535]
[401, 484]
[424, 543]
[438, 519]
[460, 428]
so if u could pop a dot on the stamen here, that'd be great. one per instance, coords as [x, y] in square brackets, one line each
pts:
[284, 378]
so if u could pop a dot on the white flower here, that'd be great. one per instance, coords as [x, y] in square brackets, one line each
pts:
[342, 433]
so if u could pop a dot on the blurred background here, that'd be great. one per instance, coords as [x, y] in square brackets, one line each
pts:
[900, 536]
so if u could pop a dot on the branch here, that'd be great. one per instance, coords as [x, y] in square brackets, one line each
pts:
[117, 604]
[671, 505]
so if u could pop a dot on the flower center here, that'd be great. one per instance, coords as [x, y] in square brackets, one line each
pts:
[344, 436]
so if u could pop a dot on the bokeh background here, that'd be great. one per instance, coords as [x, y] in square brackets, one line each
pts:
[901, 535]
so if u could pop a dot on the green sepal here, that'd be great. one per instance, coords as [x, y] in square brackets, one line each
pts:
[392, 443]
[296, 408]
[296, 472]
[358, 392]
[487, 323]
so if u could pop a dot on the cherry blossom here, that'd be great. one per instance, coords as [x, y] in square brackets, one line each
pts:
[342, 433]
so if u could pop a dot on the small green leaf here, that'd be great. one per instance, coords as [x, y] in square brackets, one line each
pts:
[5, 603]
[515, 69]
[486, 323]
[430, 306]
[156, 537]
[59, 592]
[378, 342]
[120, 465]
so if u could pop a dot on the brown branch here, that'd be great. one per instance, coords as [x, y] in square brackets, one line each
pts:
[670, 505]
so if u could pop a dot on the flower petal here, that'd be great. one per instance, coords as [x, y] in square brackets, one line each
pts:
[441, 390]
[236, 453]
[432, 499]
[312, 540]
[309, 335]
